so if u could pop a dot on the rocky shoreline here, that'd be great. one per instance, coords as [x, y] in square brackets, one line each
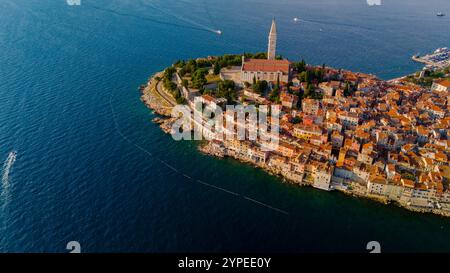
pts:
[154, 101]
[151, 98]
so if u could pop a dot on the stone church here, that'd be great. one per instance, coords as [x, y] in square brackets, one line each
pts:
[269, 70]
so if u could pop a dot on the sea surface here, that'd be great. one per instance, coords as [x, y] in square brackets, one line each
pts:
[82, 161]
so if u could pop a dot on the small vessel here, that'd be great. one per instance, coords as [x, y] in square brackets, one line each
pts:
[219, 32]
[296, 19]
[440, 14]
[441, 50]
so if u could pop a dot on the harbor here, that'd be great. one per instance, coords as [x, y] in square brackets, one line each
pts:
[439, 59]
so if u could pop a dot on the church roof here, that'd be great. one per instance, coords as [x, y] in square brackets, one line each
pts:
[263, 65]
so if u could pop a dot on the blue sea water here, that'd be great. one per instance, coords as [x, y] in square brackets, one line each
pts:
[68, 96]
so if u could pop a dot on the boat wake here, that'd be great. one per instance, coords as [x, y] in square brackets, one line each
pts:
[184, 22]
[330, 23]
[184, 19]
[7, 168]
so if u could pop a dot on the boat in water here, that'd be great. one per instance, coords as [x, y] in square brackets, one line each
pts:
[441, 50]
[440, 14]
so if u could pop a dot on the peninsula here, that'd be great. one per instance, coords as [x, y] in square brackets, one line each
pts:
[339, 130]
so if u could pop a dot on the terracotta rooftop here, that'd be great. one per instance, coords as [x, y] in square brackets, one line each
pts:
[208, 98]
[266, 65]
[445, 83]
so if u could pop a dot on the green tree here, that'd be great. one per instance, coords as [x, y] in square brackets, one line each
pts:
[217, 68]
[275, 95]
[300, 66]
[169, 85]
[227, 89]
[302, 76]
[296, 120]
[185, 83]
[318, 75]
[180, 64]
[259, 55]
[347, 91]
[169, 72]
[310, 90]
[191, 66]
[199, 78]
[182, 72]
[178, 97]
[202, 63]
[260, 87]
[308, 76]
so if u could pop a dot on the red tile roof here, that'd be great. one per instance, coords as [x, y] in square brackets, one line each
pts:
[267, 65]
[208, 98]
[445, 83]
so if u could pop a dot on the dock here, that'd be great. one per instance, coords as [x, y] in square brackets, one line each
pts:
[440, 58]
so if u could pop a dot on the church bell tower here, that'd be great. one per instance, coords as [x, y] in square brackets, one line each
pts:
[271, 52]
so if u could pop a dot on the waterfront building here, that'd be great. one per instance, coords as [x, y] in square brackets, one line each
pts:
[286, 149]
[256, 155]
[279, 164]
[322, 176]
[361, 172]
[377, 185]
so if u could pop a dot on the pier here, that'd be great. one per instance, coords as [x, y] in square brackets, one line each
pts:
[438, 59]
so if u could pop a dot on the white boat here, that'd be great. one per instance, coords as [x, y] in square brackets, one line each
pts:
[440, 14]
[296, 19]
[441, 50]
